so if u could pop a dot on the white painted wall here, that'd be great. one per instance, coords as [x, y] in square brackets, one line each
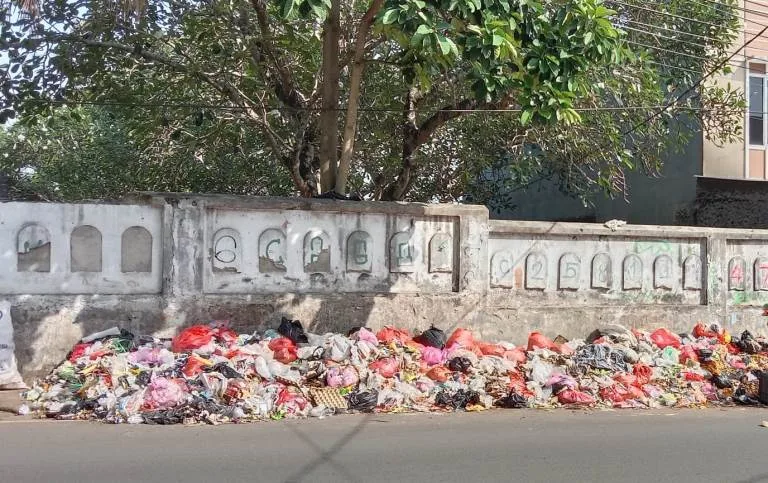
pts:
[59, 220]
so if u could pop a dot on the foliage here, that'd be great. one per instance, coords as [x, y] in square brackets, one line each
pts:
[96, 153]
[393, 93]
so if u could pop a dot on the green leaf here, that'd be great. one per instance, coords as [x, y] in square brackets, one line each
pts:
[288, 8]
[526, 116]
[390, 17]
[588, 38]
[497, 40]
[423, 30]
[446, 45]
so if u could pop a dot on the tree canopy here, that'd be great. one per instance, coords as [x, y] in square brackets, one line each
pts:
[392, 99]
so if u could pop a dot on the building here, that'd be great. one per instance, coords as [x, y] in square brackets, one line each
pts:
[708, 184]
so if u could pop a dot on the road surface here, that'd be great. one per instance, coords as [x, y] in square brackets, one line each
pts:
[505, 445]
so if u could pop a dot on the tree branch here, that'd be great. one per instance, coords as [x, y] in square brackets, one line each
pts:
[355, 83]
[289, 92]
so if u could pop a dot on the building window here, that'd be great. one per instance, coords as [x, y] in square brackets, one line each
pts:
[757, 122]
[756, 101]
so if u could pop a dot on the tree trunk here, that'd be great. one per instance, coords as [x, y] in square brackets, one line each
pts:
[355, 82]
[329, 128]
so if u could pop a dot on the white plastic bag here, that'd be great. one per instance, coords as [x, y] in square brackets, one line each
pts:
[9, 372]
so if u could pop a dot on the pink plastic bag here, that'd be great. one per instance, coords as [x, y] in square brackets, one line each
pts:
[432, 355]
[571, 396]
[163, 393]
[688, 353]
[386, 367]
[366, 335]
[333, 377]
[665, 338]
[341, 377]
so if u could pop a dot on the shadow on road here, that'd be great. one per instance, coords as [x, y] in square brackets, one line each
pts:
[325, 456]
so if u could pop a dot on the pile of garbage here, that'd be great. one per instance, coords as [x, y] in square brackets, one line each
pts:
[211, 374]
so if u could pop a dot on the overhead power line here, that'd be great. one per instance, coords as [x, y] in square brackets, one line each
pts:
[188, 105]
[690, 89]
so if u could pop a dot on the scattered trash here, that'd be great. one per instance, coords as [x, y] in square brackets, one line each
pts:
[9, 373]
[209, 374]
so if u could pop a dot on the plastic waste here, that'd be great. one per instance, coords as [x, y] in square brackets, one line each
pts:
[363, 401]
[293, 330]
[491, 349]
[462, 338]
[432, 337]
[432, 355]
[391, 334]
[459, 364]
[439, 374]
[665, 338]
[191, 338]
[570, 396]
[538, 341]
[386, 367]
[114, 331]
[9, 372]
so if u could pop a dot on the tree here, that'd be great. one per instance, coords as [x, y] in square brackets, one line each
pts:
[384, 96]
[99, 153]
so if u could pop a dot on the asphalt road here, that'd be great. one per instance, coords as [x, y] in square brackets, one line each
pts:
[509, 445]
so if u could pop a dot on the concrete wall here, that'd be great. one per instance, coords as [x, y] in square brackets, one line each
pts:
[731, 203]
[335, 265]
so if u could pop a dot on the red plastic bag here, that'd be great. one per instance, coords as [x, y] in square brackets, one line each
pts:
[192, 338]
[701, 330]
[225, 335]
[538, 340]
[389, 334]
[615, 394]
[286, 355]
[439, 373]
[665, 338]
[491, 349]
[693, 376]
[572, 396]
[195, 365]
[643, 374]
[387, 367]
[463, 338]
[688, 353]
[517, 384]
[282, 343]
[626, 379]
[78, 351]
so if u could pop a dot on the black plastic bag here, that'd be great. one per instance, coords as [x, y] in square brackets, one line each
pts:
[143, 378]
[293, 330]
[432, 337]
[705, 355]
[762, 387]
[512, 401]
[225, 370]
[721, 382]
[459, 364]
[363, 401]
[458, 400]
